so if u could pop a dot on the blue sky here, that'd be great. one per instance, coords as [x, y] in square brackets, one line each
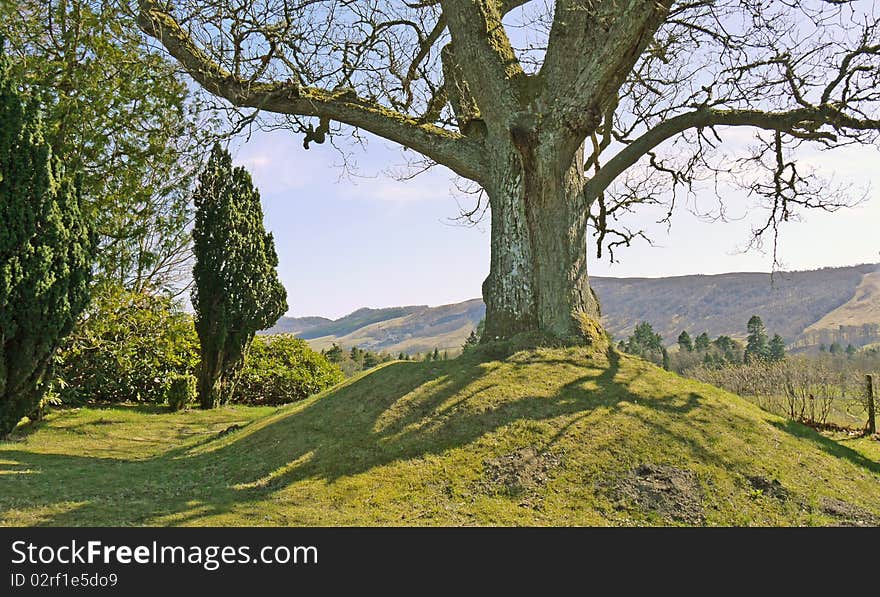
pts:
[374, 241]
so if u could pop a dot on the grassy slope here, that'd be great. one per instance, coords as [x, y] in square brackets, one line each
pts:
[427, 443]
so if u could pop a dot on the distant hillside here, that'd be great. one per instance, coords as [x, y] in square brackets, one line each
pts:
[863, 308]
[806, 308]
[788, 302]
[297, 325]
[350, 323]
[407, 329]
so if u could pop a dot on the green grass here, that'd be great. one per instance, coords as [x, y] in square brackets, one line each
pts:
[546, 437]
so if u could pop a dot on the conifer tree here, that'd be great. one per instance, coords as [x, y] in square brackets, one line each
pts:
[237, 291]
[334, 354]
[701, 344]
[47, 248]
[776, 348]
[471, 341]
[756, 344]
[684, 342]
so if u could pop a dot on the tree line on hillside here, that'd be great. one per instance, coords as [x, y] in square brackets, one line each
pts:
[703, 350]
[846, 336]
[358, 359]
[810, 389]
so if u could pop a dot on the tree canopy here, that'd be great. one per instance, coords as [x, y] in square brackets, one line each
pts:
[127, 122]
[565, 113]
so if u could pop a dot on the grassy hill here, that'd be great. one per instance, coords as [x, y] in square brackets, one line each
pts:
[805, 308]
[543, 437]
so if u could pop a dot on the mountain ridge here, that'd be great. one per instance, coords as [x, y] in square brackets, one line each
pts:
[791, 304]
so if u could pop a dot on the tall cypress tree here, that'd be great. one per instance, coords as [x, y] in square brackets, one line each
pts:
[46, 252]
[237, 291]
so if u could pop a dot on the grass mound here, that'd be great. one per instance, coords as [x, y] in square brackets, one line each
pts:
[542, 437]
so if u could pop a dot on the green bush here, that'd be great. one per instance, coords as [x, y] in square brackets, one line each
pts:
[126, 349]
[282, 368]
[180, 390]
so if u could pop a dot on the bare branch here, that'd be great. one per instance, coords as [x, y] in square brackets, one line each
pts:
[802, 122]
[457, 152]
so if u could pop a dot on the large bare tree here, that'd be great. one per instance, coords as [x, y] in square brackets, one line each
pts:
[564, 113]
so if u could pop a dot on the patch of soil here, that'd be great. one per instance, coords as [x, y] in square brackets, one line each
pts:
[229, 430]
[820, 426]
[519, 471]
[769, 487]
[673, 493]
[848, 514]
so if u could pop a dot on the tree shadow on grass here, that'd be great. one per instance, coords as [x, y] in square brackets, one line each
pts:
[828, 445]
[385, 416]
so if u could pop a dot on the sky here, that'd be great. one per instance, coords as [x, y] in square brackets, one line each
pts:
[370, 240]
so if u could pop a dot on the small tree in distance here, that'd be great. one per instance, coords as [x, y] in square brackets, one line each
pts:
[776, 348]
[701, 344]
[237, 290]
[646, 343]
[756, 344]
[473, 338]
[684, 342]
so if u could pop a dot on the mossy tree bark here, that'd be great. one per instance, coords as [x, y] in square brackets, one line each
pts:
[538, 272]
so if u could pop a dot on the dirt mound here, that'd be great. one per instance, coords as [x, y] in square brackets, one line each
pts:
[849, 514]
[769, 487]
[673, 493]
[518, 471]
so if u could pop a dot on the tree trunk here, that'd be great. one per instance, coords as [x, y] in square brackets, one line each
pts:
[209, 382]
[538, 275]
